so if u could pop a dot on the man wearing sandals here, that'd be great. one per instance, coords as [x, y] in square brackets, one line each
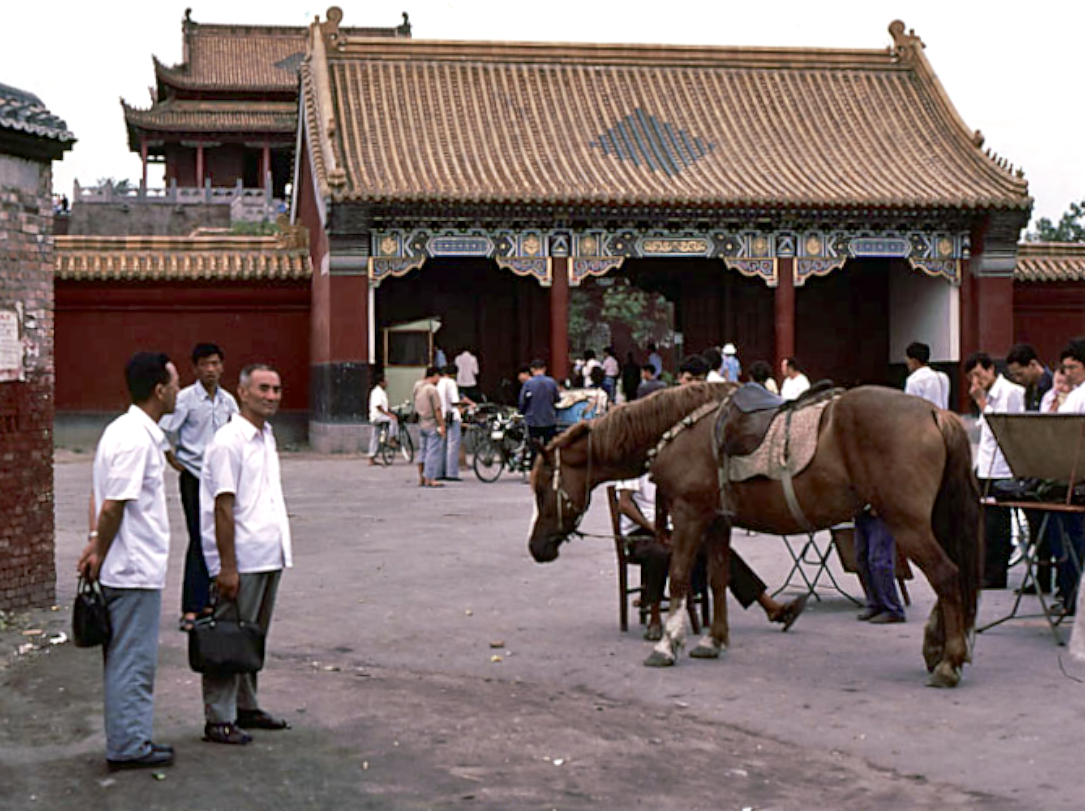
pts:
[246, 542]
[127, 551]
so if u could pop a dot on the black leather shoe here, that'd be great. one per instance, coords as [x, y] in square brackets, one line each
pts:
[258, 719]
[152, 760]
[225, 733]
[868, 614]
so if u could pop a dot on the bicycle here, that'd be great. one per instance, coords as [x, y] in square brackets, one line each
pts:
[388, 446]
[504, 445]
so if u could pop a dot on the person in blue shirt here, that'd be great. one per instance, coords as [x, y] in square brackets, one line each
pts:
[538, 398]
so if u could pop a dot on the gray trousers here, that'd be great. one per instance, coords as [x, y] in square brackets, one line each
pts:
[130, 660]
[223, 696]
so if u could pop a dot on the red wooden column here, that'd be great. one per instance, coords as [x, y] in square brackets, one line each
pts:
[785, 310]
[199, 165]
[143, 157]
[559, 318]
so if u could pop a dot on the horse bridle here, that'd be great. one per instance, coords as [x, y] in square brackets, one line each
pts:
[562, 496]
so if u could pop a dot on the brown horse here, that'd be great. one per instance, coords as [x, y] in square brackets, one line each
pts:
[877, 446]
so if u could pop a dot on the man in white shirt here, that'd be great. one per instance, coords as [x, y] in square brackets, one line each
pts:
[993, 394]
[127, 552]
[202, 409]
[923, 381]
[795, 382]
[246, 542]
[451, 400]
[467, 375]
[714, 360]
[1072, 365]
[380, 416]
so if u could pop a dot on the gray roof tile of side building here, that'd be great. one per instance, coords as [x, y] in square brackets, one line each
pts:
[25, 112]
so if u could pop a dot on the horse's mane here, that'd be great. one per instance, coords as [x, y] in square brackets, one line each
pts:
[637, 426]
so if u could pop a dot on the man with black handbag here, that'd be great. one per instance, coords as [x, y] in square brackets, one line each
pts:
[127, 553]
[246, 542]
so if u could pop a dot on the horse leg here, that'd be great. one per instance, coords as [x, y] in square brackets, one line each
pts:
[718, 550]
[685, 541]
[948, 614]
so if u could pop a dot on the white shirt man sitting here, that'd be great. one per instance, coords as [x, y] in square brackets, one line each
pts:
[381, 417]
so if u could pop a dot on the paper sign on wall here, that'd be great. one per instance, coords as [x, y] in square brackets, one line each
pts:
[11, 347]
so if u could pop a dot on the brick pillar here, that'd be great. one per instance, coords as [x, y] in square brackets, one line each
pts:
[785, 310]
[559, 319]
[27, 565]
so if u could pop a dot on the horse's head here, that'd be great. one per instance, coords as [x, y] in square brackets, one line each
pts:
[561, 488]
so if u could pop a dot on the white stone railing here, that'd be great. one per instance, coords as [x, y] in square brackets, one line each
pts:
[242, 201]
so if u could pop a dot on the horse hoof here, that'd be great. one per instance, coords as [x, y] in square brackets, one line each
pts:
[944, 676]
[657, 659]
[931, 657]
[706, 650]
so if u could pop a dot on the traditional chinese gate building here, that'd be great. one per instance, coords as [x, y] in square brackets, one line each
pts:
[829, 203]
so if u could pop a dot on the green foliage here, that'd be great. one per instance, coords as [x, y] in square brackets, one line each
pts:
[628, 305]
[118, 186]
[1070, 227]
[253, 229]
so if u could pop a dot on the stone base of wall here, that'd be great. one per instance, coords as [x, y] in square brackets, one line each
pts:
[339, 437]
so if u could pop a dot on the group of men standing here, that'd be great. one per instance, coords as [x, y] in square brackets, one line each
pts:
[239, 537]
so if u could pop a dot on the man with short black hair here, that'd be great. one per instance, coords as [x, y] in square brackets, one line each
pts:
[993, 394]
[1024, 366]
[247, 543]
[649, 382]
[795, 381]
[127, 553]
[713, 360]
[431, 428]
[923, 381]
[538, 397]
[202, 409]
[691, 369]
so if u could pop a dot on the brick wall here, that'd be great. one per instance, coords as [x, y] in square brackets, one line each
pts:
[27, 565]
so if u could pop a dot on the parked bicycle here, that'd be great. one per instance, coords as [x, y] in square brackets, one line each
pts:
[503, 446]
[390, 443]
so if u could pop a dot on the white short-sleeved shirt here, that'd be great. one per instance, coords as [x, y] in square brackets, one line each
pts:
[1004, 397]
[378, 398]
[244, 460]
[450, 395]
[466, 369]
[194, 421]
[129, 466]
[643, 492]
[794, 386]
[932, 386]
[1074, 402]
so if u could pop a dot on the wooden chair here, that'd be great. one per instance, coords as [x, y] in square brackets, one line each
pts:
[625, 590]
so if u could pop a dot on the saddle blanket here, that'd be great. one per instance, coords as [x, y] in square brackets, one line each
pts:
[800, 445]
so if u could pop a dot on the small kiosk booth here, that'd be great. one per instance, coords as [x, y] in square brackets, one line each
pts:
[408, 350]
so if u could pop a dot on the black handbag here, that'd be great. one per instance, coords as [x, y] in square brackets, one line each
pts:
[224, 645]
[90, 616]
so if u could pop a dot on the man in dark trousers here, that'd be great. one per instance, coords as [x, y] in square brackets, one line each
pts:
[538, 398]
[202, 409]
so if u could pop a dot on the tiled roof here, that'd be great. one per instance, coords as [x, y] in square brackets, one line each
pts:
[1050, 262]
[246, 57]
[24, 113]
[491, 122]
[191, 258]
[178, 115]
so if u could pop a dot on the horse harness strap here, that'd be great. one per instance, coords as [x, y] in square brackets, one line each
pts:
[789, 486]
[687, 421]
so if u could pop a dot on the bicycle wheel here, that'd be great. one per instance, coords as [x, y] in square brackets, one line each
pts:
[489, 460]
[406, 444]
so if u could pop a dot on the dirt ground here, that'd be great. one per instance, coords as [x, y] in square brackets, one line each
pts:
[426, 662]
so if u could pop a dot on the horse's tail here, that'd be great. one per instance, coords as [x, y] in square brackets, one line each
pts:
[956, 518]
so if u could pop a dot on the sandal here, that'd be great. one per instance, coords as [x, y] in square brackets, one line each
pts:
[225, 733]
[792, 611]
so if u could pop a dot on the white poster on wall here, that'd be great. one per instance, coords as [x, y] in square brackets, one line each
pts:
[11, 347]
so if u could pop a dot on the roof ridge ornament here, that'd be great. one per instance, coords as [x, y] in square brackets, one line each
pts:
[906, 46]
[333, 37]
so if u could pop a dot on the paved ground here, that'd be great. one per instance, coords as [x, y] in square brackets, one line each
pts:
[383, 656]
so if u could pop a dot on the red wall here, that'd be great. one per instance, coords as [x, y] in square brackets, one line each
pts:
[100, 325]
[1047, 315]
